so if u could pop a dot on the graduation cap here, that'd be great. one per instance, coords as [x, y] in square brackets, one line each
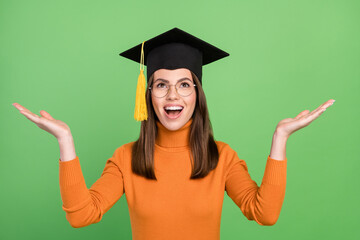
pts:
[170, 50]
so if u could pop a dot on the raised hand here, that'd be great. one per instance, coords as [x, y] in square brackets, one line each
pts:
[46, 122]
[288, 126]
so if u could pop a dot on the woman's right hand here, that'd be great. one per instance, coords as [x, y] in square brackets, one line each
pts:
[56, 127]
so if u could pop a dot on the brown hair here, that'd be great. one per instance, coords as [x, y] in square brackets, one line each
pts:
[204, 151]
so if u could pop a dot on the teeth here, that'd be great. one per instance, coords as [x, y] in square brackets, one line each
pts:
[174, 108]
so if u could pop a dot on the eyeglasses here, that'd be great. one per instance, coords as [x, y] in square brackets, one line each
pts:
[183, 88]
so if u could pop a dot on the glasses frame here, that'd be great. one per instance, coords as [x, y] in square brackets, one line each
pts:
[168, 90]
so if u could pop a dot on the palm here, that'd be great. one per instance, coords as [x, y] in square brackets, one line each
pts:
[46, 122]
[288, 126]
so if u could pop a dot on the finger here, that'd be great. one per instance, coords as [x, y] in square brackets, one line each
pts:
[303, 113]
[325, 105]
[47, 115]
[31, 116]
[25, 110]
[19, 107]
[308, 118]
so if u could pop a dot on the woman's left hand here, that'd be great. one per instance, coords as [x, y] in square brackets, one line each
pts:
[288, 126]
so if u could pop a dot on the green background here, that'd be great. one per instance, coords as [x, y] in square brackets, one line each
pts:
[285, 57]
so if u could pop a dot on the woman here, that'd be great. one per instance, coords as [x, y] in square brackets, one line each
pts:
[175, 175]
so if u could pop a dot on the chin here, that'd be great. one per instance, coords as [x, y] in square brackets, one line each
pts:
[173, 124]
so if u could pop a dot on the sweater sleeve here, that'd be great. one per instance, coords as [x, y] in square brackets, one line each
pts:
[85, 206]
[262, 204]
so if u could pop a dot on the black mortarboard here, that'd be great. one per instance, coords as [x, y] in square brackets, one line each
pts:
[170, 50]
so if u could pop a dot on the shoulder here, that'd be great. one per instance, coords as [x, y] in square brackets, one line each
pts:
[230, 156]
[125, 148]
[224, 147]
[122, 155]
[226, 151]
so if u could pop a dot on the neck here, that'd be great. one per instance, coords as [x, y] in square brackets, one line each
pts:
[177, 138]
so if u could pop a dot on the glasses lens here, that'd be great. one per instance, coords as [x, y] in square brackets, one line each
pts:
[160, 89]
[185, 88]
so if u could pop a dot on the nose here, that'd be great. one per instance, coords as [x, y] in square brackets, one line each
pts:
[172, 94]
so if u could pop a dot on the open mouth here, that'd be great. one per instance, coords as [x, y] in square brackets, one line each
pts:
[173, 112]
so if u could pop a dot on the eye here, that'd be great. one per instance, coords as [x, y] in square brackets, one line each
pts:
[185, 84]
[159, 85]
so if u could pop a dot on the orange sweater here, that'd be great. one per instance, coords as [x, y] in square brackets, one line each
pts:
[174, 207]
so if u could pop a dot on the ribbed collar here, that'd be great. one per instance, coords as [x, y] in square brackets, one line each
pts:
[173, 139]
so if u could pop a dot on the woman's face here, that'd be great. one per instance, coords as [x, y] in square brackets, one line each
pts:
[173, 98]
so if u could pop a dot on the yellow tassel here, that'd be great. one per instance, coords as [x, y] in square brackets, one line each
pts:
[140, 102]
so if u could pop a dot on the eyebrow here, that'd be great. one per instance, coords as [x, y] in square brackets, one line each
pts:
[164, 80]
